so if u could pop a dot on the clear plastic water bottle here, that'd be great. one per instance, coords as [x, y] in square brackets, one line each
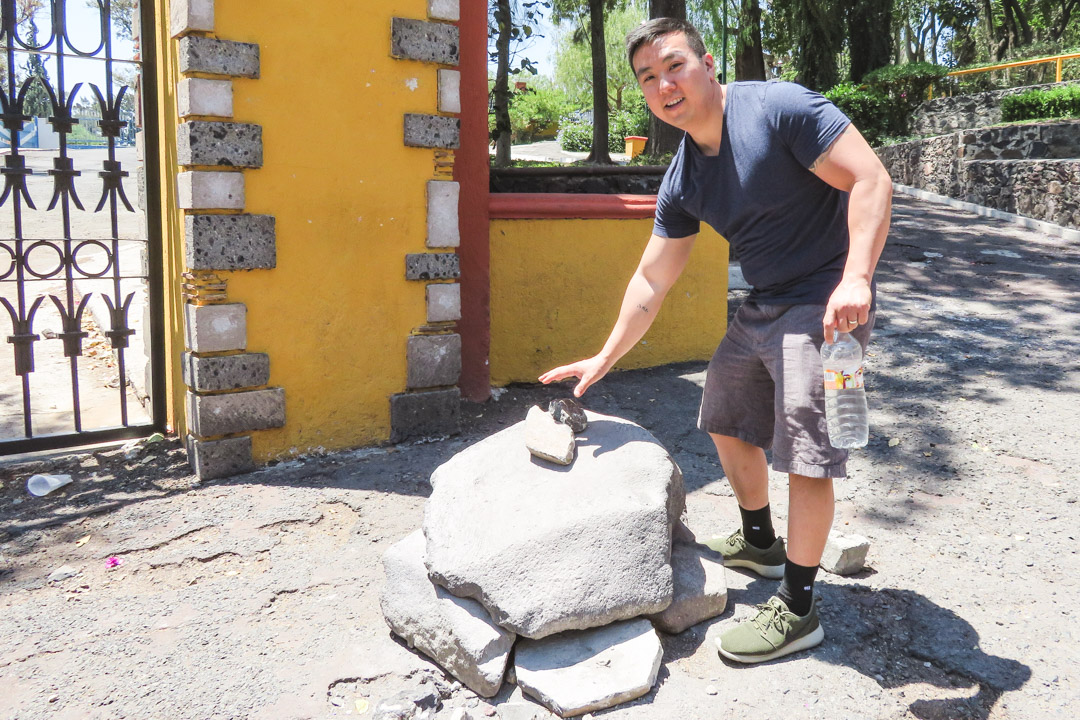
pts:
[845, 397]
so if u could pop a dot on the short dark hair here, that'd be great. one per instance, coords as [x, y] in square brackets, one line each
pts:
[650, 31]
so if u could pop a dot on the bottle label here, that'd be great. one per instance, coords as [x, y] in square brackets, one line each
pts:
[844, 379]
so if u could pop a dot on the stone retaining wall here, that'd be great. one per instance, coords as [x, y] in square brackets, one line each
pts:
[947, 114]
[1030, 170]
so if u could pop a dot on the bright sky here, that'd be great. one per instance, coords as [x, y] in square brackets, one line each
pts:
[84, 34]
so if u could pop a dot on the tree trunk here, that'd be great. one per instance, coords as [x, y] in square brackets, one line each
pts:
[870, 47]
[599, 154]
[502, 84]
[664, 138]
[749, 58]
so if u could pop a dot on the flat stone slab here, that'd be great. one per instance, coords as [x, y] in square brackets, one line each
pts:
[700, 588]
[845, 554]
[579, 672]
[456, 633]
[548, 548]
[547, 438]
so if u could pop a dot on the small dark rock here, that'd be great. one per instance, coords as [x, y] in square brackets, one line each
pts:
[568, 412]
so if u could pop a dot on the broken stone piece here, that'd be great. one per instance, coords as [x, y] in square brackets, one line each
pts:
[700, 588]
[844, 554]
[549, 549]
[582, 671]
[568, 412]
[456, 633]
[62, 573]
[548, 439]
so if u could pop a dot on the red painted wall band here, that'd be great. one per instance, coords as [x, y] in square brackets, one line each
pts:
[520, 206]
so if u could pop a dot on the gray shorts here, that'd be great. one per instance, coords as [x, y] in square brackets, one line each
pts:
[764, 386]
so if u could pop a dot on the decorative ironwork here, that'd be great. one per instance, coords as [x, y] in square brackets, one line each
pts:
[78, 261]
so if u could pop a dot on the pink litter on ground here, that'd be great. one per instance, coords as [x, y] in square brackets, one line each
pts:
[114, 562]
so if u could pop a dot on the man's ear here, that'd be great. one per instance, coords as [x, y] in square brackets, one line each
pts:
[710, 63]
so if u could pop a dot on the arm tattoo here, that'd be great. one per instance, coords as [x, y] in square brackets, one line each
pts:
[643, 307]
[821, 158]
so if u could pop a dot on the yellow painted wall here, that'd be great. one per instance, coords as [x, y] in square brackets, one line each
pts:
[556, 287]
[349, 199]
[172, 223]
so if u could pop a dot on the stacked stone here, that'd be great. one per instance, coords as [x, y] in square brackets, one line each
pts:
[430, 405]
[571, 566]
[227, 397]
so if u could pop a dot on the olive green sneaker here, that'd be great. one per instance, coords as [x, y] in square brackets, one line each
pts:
[774, 632]
[737, 552]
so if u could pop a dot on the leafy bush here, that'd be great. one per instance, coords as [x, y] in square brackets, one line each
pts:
[1057, 102]
[868, 109]
[575, 130]
[535, 114]
[906, 87]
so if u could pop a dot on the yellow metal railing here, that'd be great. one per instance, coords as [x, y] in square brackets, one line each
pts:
[1058, 60]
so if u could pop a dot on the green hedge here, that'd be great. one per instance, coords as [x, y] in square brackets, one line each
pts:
[906, 87]
[575, 135]
[1059, 102]
[868, 109]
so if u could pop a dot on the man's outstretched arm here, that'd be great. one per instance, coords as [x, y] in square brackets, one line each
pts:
[661, 264]
[852, 166]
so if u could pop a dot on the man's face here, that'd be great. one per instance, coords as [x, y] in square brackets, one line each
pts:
[675, 81]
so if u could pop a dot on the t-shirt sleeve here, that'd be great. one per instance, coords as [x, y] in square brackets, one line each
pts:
[671, 220]
[805, 121]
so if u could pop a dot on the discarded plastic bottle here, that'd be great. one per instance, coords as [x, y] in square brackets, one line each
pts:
[845, 397]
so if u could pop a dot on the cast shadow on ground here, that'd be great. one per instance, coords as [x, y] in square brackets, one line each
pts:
[898, 638]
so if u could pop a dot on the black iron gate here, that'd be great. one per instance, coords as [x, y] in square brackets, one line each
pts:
[80, 261]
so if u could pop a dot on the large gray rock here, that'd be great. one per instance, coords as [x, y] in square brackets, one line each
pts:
[700, 588]
[578, 672]
[548, 549]
[844, 554]
[547, 438]
[457, 633]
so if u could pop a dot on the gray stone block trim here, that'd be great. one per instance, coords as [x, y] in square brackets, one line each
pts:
[212, 459]
[443, 302]
[432, 266]
[190, 16]
[218, 57]
[210, 190]
[236, 412]
[424, 41]
[433, 413]
[432, 131]
[449, 91]
[442, 214]
[433, 360]
[230, 242]
[444, 10]
[215, 328]
[225, 372]
[228, 144]
[199, 96]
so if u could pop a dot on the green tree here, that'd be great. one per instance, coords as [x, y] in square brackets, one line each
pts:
[37, 103]
[511, 23]
[869, 36]
[588, 17]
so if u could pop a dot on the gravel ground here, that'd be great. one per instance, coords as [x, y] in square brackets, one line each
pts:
[257, 597]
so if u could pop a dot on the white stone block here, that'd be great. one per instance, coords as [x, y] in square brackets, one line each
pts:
[443, 302]
[444, 10]
[198, 96]
[450, 91]
[215, 328]
[442, 214]
[844, 554]
[208, 190]
[191, 15]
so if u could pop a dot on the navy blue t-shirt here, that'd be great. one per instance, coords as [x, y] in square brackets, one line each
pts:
[788, 227]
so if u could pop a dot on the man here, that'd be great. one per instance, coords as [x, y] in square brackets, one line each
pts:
[784, 176]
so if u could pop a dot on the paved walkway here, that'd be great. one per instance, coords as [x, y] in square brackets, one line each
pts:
[257, 597]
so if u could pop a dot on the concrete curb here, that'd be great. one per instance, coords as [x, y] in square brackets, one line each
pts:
[1066, 234]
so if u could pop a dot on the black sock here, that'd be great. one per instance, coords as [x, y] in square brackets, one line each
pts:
[757, 527]
[797, 588]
